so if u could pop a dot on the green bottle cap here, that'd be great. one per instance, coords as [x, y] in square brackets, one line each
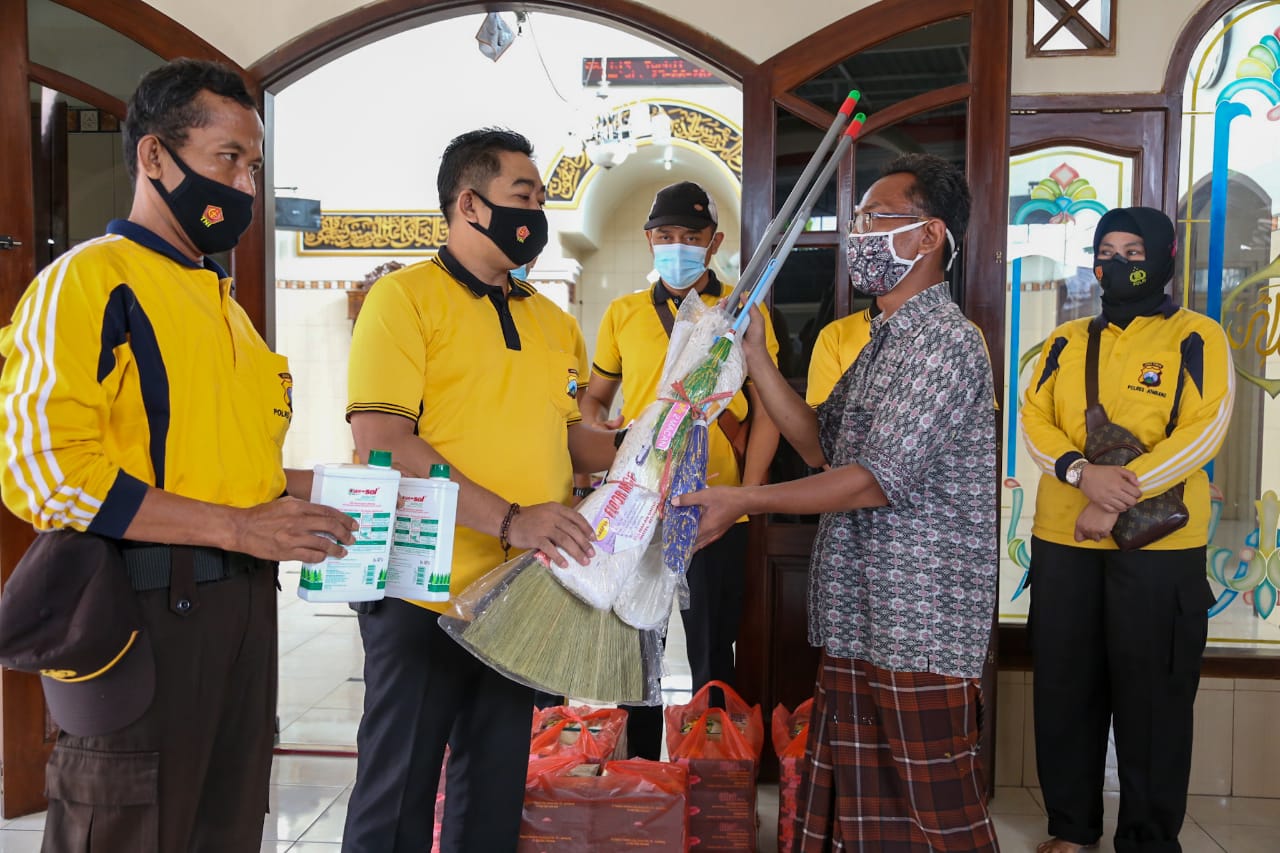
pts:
[439, 472]
[380, 458]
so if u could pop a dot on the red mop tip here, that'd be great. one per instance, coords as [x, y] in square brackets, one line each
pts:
[855, 126]
[846, 109]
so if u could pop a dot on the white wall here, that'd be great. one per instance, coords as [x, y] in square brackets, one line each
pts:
[246, 30]
[756, 28]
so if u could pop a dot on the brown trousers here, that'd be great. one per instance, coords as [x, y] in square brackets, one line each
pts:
[190, 776]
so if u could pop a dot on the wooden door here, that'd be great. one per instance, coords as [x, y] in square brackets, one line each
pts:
[934, 77]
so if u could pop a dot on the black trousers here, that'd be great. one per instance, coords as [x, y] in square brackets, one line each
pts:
[191, 775]
[423, 691]
[1116, 641]
[717, 580]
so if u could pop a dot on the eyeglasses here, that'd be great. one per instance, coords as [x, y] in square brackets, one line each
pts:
[863, 222]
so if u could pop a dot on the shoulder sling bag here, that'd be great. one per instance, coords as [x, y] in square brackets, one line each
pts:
[1108, 443]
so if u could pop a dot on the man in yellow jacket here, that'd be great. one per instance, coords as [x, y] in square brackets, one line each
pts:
[141, 405]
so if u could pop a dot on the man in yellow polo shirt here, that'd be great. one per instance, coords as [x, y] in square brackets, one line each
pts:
[630, 349]
[455, 361]
[835, 351]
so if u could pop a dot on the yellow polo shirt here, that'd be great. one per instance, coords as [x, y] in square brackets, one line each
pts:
[126, 366]
[1140, 371]
[428, 347]
[834, 352]
[632, 346]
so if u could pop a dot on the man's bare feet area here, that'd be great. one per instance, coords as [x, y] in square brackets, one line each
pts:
[1057, 845]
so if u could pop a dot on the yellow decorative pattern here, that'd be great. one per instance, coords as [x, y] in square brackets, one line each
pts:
[420, 232]
[690, 125]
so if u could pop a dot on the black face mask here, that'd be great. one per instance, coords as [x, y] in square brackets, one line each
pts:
[212, 214]
[519, 232]
[1131, 288]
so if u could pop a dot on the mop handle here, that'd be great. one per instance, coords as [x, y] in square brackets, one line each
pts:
[761, 288]
[761, 256]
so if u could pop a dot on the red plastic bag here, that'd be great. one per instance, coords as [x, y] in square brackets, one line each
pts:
[745, 720]
[791, 729]
[790, 734]
[714, 735]
[594, 735]
[634, 804]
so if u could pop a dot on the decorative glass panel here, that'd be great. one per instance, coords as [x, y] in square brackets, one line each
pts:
[1056, 196]
[1229, 227]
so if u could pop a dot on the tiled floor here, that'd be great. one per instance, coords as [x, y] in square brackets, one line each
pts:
[320, 700]
[309, 804]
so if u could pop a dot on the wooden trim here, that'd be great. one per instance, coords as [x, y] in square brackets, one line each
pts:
[149, 27]
[77, 89]
[856, 32]
[1126, 102]
[921, 103]
[1015, 654]
[759, 132]
[807, 110]
[1184, 48]
[359, 27]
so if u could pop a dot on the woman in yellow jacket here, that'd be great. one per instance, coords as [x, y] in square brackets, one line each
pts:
[1117, 636]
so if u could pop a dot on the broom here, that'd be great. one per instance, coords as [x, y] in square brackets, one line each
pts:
[539, 633]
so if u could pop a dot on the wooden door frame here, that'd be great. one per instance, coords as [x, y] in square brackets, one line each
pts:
[25, 736]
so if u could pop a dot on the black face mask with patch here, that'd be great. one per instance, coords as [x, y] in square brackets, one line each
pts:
[211, 214]
[520, 233]
[1130, 288]
[1135, 288]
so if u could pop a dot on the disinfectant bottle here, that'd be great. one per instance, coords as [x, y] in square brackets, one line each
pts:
[421, 562]
[368, 494]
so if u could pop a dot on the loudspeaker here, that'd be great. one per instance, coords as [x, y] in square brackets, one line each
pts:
[297, 214]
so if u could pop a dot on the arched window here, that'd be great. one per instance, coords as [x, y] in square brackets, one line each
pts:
[1229, 229]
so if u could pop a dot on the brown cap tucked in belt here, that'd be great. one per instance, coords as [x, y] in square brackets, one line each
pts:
[70, 614]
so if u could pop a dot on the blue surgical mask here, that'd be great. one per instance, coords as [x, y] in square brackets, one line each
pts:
[521, 273]
[679, 264]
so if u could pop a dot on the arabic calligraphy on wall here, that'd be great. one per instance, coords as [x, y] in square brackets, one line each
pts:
[406, 232]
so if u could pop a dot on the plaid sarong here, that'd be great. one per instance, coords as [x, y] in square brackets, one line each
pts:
[891, 763]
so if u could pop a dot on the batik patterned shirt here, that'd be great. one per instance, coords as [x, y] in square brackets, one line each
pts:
[911, 586]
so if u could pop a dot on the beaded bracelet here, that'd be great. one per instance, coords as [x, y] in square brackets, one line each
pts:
[512, 512]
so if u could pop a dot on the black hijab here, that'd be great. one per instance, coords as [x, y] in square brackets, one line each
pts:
[1135, 288]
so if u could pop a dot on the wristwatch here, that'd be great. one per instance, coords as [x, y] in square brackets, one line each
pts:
[1074, 472]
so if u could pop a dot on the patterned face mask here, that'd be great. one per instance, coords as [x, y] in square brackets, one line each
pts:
[874, 266]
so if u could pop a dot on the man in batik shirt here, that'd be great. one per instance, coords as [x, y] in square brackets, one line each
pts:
[903, 578]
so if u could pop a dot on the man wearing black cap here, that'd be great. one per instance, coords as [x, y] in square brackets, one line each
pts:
[1117, 636]
[141, 407]
[630, 349]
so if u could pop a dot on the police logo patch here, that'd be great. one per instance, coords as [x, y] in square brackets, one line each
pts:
[1138, 277]
[1151, 372]
[571, 384]
[286, 386]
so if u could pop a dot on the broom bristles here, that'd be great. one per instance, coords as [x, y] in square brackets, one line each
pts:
[542, 635]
